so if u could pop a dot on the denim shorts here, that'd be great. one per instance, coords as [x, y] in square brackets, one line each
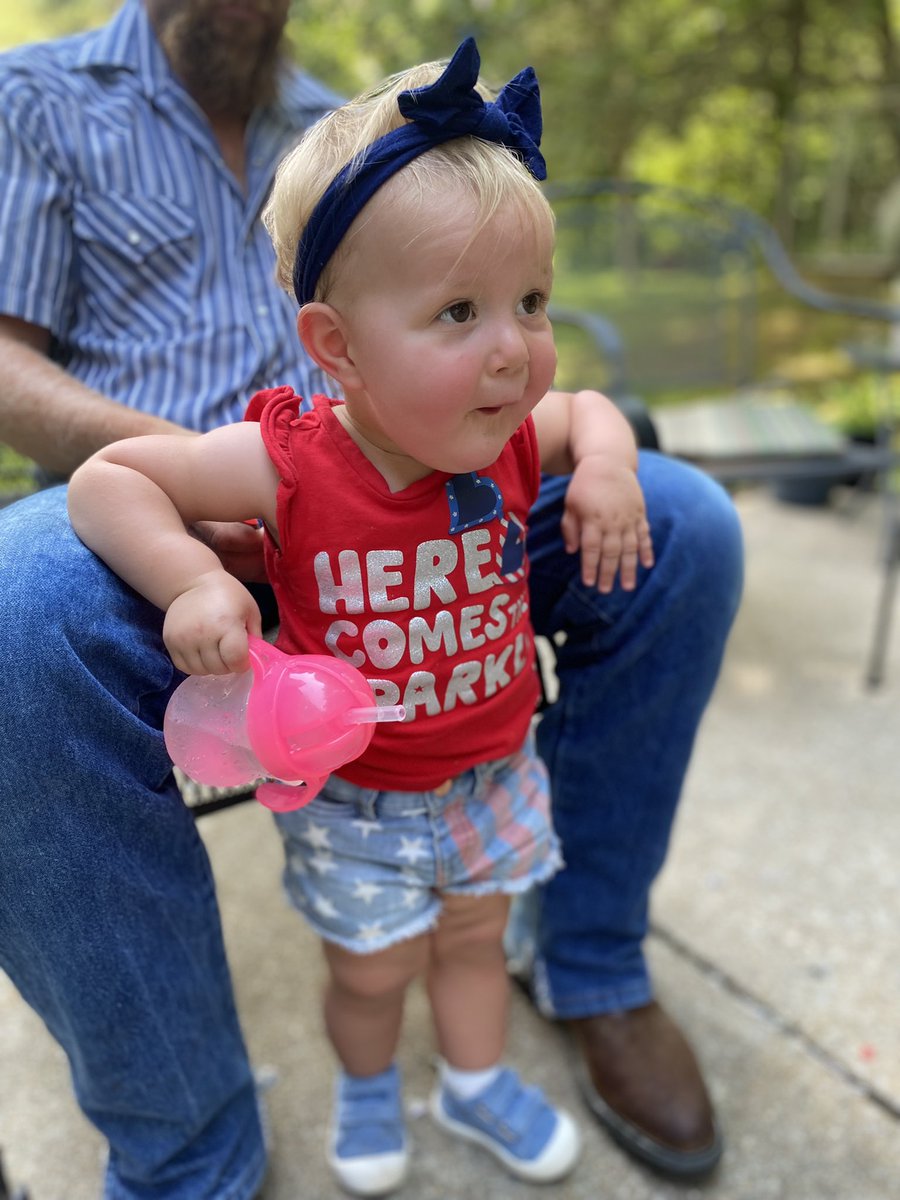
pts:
[367, 868]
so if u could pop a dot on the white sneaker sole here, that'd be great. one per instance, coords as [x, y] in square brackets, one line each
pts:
[371, 1174]
[556, 1160]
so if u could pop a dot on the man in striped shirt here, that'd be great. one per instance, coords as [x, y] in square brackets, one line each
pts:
[137, 296]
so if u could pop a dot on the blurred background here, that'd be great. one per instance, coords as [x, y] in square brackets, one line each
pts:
[765, 136]
[788, 109]
[791, 107]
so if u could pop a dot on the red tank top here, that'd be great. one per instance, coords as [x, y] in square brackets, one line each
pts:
[425, 590]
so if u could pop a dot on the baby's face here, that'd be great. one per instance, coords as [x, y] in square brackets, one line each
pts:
[449, 331]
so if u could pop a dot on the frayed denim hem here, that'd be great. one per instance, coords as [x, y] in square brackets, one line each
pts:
[428, 921]
[511, 887]
[372, 945]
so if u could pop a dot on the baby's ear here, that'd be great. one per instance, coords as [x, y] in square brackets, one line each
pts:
[324, 336]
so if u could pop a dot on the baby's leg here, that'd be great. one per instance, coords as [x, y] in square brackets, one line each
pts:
[476, 1098]
[363, 1010]
[364, 1001]
[467, 980]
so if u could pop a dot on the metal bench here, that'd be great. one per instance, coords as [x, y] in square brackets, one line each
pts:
[665, 289]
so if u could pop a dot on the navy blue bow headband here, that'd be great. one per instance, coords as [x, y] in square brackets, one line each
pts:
[446, 109]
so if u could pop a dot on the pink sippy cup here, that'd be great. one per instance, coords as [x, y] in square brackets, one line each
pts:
[292, 718]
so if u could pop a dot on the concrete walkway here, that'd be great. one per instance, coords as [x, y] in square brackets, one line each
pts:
[776, 943]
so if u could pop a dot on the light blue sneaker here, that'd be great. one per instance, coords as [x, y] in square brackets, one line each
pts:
[368, 1153]
[533, 1140]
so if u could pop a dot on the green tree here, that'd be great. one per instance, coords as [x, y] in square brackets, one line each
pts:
[789, 106]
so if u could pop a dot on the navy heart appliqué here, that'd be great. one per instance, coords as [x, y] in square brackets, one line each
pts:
[512, 557]
[474, 500]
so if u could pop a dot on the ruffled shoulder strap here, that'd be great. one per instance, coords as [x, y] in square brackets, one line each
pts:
[278, 412]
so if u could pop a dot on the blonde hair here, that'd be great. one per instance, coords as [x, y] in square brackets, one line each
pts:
[493, 175]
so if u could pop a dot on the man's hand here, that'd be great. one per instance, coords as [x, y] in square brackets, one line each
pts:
[606, 519]
[206, 626]
[238, 545]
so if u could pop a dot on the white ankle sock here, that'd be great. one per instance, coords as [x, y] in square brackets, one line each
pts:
[466, 1084]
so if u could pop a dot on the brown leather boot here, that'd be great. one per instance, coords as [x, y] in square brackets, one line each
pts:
[641, 1080]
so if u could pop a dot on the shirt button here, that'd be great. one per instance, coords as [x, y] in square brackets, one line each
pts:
[262, 310]
[133, 236]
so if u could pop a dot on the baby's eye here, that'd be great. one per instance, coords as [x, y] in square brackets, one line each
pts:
[458, 313]
[533, 303]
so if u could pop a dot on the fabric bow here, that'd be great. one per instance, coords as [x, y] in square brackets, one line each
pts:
[446, 109]
[451, 107]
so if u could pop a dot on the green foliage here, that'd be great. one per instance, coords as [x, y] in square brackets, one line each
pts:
[859, 407]
[16, 478]
[787, 106]
[37, 20]
[724, 149]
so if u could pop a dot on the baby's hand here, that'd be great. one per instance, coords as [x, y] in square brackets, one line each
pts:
[206, 627]
[606, 518]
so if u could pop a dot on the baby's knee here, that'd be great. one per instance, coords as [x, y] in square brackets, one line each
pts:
[471, 927]
[379, 976]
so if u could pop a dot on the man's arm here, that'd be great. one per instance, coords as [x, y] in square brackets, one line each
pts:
[52, 418]
[47, 415]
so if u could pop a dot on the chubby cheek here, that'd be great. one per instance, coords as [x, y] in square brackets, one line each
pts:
[542, 367]
[438, 418]
[437, 397]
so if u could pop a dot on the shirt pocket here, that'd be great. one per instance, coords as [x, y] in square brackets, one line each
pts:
[139, 261]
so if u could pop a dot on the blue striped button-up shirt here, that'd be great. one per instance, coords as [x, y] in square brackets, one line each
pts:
[124, 233]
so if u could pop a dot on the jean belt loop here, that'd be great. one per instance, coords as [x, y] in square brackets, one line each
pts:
[481, 772]
[366, 803]
[487, 772]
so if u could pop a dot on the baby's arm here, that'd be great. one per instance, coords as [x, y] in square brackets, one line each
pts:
[605, 516]
[132, 504]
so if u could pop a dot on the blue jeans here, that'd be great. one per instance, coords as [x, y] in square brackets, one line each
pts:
[635, 671]
[108, 917]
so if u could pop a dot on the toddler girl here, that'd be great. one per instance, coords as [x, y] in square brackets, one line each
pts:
[412, 230]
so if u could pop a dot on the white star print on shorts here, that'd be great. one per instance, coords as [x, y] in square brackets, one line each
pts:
[367, 868]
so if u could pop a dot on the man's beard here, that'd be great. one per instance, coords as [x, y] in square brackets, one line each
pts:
[226, 71]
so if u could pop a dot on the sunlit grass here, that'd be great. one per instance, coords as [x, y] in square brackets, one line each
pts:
[687, 336]
[15, 473]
